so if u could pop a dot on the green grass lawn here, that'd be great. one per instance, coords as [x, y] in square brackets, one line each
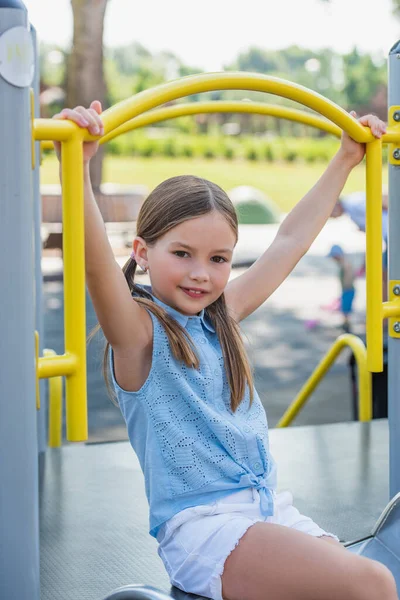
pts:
[285, 184]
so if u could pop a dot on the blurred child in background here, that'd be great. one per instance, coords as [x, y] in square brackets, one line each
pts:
[347, 277]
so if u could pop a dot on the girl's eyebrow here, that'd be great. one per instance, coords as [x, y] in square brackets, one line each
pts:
[182, 245]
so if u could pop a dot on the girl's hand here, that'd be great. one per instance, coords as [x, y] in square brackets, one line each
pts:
[352, 151]
[84, 117]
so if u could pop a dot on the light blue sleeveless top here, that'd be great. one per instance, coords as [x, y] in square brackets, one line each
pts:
[191, 447]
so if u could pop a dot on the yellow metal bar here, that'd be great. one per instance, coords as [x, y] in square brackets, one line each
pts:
[55, 406]
[53, 129]
[394, 126]
[195, 84]
[37, 370]
[182, 110]
[391, 136]
[74, 286]
[32, 101]
[364, 379]
[374, 255]
[46, 145]
[391, 310]
[55, 365]
[50, 129]
[194, 108]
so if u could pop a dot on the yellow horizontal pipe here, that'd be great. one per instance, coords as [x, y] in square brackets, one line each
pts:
[54, 129]
[194, 108]
[55, 365]
[364, 379]
[391, 136]
[157, 115]
[391, 309]
[55, 407]
[46, 145]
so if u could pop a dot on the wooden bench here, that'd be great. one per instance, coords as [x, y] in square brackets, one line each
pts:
[119, 206]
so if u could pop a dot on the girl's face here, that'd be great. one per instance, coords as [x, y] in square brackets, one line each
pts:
[190, 265]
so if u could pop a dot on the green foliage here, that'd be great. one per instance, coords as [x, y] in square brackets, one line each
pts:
[52, 64]
[229, 152]
[363, 78]
[254, 149]
[170, 148]
[268, 153]
[252, 154]
[290, 155]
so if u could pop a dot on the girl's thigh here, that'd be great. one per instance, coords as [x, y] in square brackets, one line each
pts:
[273, 562]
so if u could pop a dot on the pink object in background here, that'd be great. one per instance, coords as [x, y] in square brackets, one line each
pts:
[311, 324]
[361, 271]
[333, 306]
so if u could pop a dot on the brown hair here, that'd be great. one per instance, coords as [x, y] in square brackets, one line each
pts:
[172, 202]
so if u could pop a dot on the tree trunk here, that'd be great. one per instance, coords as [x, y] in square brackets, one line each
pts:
[85, 79]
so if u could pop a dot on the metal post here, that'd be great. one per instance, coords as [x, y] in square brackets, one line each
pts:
[19, 522]
[394, 274]
[37, 220]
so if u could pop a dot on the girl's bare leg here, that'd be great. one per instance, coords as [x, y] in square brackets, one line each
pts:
[272, 562]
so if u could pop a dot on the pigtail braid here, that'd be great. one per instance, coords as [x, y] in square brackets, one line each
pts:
[237, 366]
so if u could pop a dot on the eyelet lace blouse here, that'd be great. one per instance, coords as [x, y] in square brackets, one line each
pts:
[191, 447]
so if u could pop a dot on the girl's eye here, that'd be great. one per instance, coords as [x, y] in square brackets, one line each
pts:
[218, 259]
[180, 253]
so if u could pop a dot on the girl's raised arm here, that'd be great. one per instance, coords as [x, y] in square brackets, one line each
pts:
[246, 293]
[125, 324]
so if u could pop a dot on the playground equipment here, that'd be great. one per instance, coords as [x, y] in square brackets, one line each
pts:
[91, 510]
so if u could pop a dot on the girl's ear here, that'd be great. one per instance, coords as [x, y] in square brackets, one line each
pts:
[140, 250]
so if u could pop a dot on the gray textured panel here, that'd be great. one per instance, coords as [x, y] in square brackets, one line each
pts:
[94, 514]
[94, 524]
[338, 473]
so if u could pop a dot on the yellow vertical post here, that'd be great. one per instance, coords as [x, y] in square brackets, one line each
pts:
[55, 407]
[74, 286]
[374, 256]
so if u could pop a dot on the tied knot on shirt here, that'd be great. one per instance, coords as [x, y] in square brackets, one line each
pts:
[264, 484]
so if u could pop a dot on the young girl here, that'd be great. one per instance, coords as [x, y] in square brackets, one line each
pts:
[184, 385]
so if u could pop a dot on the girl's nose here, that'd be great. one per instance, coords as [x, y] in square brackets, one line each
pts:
[199, 273]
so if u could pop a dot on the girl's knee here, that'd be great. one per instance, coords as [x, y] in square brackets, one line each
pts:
[375, 581]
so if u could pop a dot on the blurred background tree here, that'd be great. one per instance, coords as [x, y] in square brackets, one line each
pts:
[85, 79]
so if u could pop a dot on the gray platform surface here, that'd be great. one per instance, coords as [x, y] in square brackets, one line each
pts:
[94, 515]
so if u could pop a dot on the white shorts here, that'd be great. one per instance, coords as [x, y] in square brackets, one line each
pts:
[196, 542]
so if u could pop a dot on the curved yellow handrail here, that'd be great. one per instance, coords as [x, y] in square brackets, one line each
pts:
[219, 106]
[125, 110]
[195, 84]
[364, 379]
